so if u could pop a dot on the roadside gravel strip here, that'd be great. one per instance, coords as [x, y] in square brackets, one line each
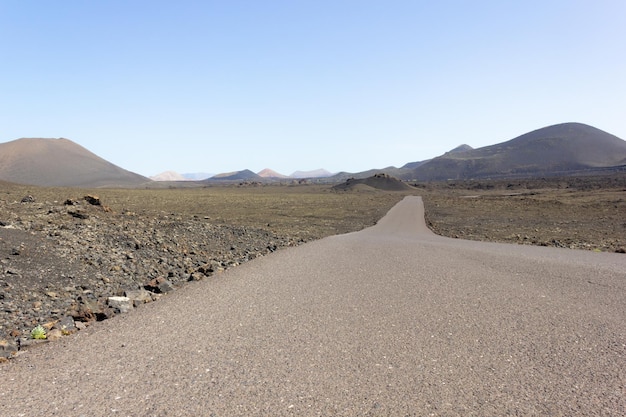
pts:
[389, 321]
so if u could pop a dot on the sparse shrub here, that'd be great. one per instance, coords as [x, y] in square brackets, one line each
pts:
[38, 332]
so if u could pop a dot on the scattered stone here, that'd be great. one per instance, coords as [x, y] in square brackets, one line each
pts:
[159, 285]
[94, 200]
[88, 310]
[49, 325]
[66, 325]
[63, 272]
[120, 304]
[196, 276]
[139, 297]
[8, 349]
[78, 214]
[54, 334]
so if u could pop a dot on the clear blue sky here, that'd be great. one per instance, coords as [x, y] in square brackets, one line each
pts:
[217, 86]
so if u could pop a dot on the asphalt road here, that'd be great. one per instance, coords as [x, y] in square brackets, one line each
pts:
[389, 321]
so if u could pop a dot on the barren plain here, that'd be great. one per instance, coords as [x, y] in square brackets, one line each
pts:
[65, 259]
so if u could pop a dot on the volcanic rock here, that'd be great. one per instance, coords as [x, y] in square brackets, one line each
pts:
[120, 304]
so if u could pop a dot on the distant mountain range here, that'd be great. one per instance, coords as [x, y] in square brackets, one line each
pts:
[563, 149]
[246, 174]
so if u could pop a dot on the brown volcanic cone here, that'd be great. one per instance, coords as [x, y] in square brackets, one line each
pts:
[62, 163]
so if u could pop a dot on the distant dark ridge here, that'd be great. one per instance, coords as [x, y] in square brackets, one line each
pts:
[60, 163]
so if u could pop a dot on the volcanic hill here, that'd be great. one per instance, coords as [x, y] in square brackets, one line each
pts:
[558, 149]
[60, 163]
[269, 173]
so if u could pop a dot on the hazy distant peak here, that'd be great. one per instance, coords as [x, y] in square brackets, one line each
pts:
[268, 173]
[197, 176]
[168, 176]
[317, 173]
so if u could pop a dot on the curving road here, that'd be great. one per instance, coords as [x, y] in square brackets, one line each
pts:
[389, 321]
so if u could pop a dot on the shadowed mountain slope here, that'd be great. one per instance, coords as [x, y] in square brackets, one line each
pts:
[561, 148]
[62, 163]
[413, 165]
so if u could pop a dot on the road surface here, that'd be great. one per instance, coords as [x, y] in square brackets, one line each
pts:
[389, 321]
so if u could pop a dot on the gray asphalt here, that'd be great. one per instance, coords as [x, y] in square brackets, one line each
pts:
[389, 321]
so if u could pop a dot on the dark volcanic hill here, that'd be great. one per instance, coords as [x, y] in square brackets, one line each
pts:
[62, 163]
[245, 175]
[378, 181]
[557, 149]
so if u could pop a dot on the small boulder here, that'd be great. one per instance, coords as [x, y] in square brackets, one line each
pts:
[88, 310]
[120, 304]
[139, 297]
[78, 214]
[94, 200]
[8, 349]
[66, 325]
[160, 286]
[54, 334]
[196, 276]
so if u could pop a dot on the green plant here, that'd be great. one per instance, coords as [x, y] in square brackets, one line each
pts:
[38, 332]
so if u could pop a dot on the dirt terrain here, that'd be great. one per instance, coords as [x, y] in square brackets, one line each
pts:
[587, 212]
[67, 261]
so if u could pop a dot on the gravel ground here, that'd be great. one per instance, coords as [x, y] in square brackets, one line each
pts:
[66, 260]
